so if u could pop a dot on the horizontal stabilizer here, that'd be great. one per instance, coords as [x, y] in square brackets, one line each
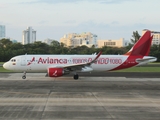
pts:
[150, 59]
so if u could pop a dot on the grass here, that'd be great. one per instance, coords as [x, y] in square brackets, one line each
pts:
[4, 70]
[140, 69]
[154, 63]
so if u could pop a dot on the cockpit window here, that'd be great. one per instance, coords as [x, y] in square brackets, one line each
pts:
[13, 60]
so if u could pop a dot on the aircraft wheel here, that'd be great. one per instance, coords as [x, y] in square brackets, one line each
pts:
[23, 77]
[76, 76]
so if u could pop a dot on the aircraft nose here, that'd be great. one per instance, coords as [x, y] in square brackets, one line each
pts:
[5, 65]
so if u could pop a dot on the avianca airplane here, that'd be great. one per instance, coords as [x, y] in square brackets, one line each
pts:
[59, 65]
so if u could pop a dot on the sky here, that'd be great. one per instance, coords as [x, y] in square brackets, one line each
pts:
[108, 19]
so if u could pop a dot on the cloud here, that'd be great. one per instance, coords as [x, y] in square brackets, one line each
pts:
[70, 22]
[59, 1]
[114, 23]
[76, 1]
[115, 1]
[43, 22]
[52, 1]
[2, 6]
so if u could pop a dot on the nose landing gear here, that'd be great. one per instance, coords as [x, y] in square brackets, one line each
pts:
[24, 75]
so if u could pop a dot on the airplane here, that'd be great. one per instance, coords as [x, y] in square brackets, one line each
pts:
[59, 65]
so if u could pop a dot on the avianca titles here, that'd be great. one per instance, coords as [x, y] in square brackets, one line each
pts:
[59, 65]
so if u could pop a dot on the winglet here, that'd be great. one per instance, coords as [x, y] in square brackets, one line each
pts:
[95, 59]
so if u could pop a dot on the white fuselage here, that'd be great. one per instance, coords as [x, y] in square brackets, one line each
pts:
[40, 63]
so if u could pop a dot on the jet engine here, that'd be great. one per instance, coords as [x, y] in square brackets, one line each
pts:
[55, 72]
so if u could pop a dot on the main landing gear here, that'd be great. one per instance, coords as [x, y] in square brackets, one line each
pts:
[24, 75]
[76, 76]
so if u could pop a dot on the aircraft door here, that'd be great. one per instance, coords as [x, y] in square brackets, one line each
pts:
[23, 60]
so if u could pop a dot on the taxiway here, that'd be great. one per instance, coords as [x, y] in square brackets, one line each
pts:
[90, 98]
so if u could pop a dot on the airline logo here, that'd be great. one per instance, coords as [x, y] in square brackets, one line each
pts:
[33, 59]
[49, 60]
[55, 73]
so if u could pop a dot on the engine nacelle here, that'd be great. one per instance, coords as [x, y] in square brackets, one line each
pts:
[55, 72]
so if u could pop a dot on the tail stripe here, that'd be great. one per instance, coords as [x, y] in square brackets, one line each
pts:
[138, 51]
[142, 46]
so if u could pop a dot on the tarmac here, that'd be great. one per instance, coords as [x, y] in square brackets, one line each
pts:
[104, 96]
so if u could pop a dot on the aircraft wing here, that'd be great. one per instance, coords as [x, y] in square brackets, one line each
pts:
[73, 67]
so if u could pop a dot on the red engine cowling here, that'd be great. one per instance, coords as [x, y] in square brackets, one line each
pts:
[55, 72]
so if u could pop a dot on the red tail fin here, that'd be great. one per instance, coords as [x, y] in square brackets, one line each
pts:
[142, 46]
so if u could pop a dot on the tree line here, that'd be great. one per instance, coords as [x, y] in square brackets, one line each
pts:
[9, 49]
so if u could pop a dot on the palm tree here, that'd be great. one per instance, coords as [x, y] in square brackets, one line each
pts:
[135, 36]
